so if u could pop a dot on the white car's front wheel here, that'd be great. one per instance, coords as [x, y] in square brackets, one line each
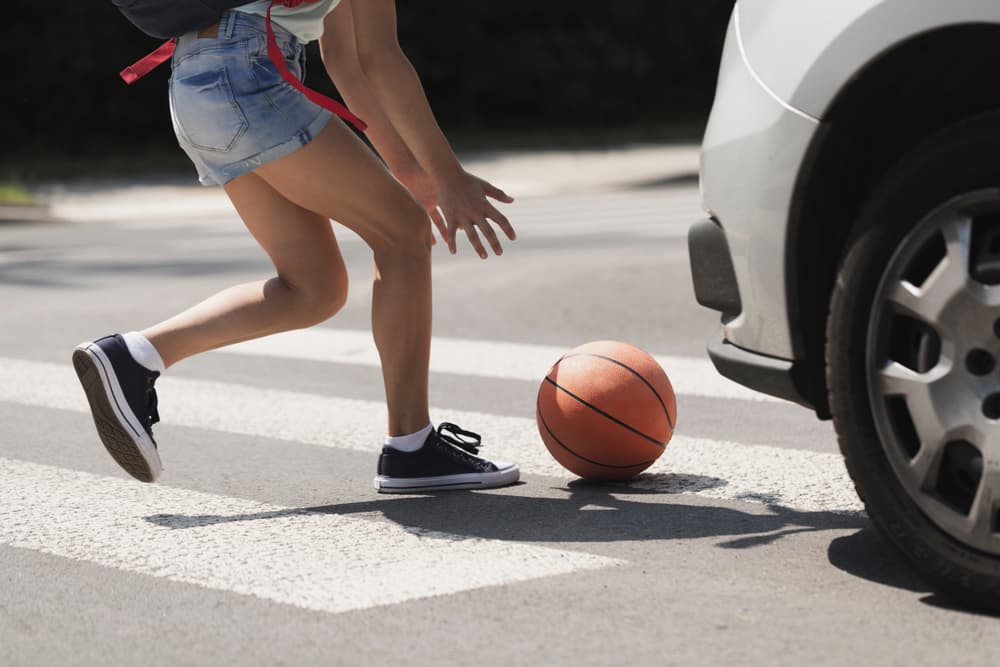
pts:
[913, 359]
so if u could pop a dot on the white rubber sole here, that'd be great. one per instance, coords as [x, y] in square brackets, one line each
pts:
[118, 427]
[472, 480]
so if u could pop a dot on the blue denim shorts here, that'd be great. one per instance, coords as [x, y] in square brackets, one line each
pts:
[231, 110]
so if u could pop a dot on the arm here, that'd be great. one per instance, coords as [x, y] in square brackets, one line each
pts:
[340, 57]
[384, 81]
[338, 49]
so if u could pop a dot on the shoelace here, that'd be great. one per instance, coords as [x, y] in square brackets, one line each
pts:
[459, 437]
[151, 402]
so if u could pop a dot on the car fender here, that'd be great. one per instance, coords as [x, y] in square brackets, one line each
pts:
[803, 53]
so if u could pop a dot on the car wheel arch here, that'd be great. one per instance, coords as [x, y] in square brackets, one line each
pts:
[910, 92]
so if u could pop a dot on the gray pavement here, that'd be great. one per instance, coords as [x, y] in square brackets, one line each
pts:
[676, 569]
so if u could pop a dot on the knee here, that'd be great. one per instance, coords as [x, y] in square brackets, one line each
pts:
[332, 298]
[408, 240]
[320, 298]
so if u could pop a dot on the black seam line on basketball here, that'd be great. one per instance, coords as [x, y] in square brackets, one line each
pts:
[605, 414]
[115, 398]
[633, 371]
[582, 457]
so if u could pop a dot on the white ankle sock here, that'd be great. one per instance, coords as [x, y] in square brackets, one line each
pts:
[143, 352]
[411, 442]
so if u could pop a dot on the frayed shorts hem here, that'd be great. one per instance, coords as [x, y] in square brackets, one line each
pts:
[226, 173]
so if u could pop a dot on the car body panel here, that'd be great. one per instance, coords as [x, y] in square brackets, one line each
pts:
[751, 154]
[784, 63]
[805, 52]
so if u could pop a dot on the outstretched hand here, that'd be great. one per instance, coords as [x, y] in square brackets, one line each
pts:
[463, 202]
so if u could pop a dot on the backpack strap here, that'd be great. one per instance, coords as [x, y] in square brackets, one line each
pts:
[278, 59]
[148, 63]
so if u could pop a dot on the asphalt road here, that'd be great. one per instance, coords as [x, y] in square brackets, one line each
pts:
[265, 543]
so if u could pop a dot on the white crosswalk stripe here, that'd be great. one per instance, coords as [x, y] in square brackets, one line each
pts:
[488, 359]
[657, 212]
[801, 480]
[314, 560]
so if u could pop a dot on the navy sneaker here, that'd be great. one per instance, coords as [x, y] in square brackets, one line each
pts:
[123, 402]
[446, 461]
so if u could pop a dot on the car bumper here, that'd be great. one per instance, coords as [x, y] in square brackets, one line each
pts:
[768, 375]
[715, 287]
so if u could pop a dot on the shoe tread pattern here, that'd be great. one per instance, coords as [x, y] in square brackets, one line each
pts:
[115, 437]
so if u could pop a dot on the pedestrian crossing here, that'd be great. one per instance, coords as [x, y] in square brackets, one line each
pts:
[490, 359]
[798, 479]
[241, 545]
[658, 212]
[309, 559]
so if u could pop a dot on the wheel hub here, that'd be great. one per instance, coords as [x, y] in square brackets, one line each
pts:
[934, 367]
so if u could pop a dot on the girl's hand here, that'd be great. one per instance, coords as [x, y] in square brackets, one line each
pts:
[423, 189]
[464, 201]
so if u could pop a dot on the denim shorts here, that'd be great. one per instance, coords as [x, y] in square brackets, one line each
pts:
[231, 110]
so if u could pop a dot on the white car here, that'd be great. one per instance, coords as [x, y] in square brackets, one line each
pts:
[851, 172]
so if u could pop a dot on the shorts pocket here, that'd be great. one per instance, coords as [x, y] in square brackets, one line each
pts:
[207, 111]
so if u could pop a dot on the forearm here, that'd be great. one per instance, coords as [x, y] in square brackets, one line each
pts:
[395, 85]
[357, 93]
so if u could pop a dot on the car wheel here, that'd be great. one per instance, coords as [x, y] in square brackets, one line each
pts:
[913, 359]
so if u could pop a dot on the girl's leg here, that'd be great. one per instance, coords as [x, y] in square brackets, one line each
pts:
[310, 287]
[338, 177]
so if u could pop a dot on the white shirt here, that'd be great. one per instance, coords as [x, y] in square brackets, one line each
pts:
[304, 21]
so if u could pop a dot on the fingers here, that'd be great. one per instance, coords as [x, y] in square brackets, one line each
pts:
[496, 193]
[501, 220]
[491, 237]
[473, 231]
[477, 244]
[446, 235]
[477, 220]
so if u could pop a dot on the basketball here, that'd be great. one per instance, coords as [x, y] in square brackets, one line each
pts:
[606, 411]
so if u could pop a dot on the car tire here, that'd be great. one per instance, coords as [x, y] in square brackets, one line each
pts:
[913, 379]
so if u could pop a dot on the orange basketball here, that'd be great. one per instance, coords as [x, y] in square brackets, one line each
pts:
[606, 410]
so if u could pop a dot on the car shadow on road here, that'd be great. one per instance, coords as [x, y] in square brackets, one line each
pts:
[867, 555]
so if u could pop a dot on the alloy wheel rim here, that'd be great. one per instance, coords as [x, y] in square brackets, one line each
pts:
[933, 354]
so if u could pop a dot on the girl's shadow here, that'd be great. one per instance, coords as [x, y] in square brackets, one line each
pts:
[647, 508]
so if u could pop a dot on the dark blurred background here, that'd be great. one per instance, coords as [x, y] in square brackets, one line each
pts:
[514, 74]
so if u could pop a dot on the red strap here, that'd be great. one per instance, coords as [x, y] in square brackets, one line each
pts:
[147, 64]
[274, 53]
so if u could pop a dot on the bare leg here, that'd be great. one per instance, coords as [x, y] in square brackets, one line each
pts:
[337, 176]
[287, 205]
[310, 287]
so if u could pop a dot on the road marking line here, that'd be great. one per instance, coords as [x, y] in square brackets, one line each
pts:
[320, 561]
[177, 206]
[796, 479]
[490, 359]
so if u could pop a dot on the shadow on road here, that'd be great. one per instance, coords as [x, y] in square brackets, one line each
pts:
[600, 513]
[866, 555]
[587, 513]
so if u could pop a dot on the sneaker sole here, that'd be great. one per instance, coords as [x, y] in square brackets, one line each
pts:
[472, 480]
[117, 426]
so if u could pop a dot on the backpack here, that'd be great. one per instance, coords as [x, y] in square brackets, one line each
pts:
[172, 18]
